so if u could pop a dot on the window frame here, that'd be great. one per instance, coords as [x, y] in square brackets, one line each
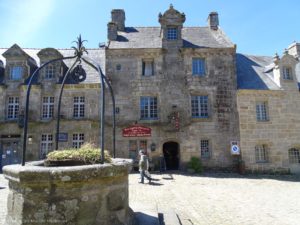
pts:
[205, 149]
[78, 107]
[198, 70]
[201, 108]
[13, 108]
[46, 144]
[287, 73]
[172, 33]
[77, 140]
[134, 153]
[47, 107]
[144, 62]
[261, 153]
[148, 112]
[16, 69]
[262, 112]
[50, 69]
[294, 158]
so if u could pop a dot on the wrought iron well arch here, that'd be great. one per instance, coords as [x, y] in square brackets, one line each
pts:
[79, 75]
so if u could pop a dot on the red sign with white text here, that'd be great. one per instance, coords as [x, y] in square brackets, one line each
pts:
[137, 131]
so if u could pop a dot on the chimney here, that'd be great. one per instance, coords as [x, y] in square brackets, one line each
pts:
[213, 20]
[118, 17]
[112, 31]
[294, 49]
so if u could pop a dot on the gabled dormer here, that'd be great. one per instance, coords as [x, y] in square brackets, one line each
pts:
[284, 70]
[52, 71]
[171, 28]
[19, 65]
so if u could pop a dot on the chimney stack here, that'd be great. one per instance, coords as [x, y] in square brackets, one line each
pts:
[213, 20]
[118, 17]
[112, 31]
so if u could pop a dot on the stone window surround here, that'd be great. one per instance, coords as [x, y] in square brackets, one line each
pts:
[172, 33]
[145, 62]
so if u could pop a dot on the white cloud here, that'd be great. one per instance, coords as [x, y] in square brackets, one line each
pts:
[23, 18]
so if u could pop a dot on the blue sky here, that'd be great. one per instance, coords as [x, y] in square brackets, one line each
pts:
[260, 27]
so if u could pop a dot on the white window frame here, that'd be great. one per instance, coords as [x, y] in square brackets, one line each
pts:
[16, 72]
[262, 114]
[287, 73]
[77, 140]
[205, 150]
[13, 106]
[148, 108]
[47, 107]
[46, 145]
[78, 106]
[148, 67]
[261, 153]
[198, 67]
[49, 72]
[200, 106]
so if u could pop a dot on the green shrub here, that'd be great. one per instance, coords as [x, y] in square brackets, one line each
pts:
[195, 164]
[88, 154]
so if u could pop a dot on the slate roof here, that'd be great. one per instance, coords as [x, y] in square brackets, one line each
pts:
[151, 37]
[255, 72]
[92, 76]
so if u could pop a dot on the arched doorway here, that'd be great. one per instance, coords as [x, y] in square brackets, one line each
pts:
[171, 154]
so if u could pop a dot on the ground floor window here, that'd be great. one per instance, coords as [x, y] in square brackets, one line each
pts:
[78, 140]
[135, 146]
[46, 145]
[261, 153]
[204, 147]
[294, 155]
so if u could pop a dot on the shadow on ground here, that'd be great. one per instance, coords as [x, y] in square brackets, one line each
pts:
[145, 219]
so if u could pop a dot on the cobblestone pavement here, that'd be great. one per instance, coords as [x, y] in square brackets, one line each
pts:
[212, 199]
[217, 199]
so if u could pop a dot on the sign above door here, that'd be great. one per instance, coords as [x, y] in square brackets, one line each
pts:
[136, 131]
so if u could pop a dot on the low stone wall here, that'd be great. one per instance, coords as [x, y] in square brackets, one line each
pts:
[81, 195]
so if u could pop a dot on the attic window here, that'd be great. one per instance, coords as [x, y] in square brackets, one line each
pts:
[16, 72]
[172, 33]
[287, 73]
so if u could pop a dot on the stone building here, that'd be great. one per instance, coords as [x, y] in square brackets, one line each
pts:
[180, 92]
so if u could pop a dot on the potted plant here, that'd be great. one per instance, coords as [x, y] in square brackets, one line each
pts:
[194, 165]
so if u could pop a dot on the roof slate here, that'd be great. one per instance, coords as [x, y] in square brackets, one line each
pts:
[151, 37]
[255, 72]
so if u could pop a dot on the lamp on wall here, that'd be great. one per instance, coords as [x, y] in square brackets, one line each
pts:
[153, 147]
[30, 139]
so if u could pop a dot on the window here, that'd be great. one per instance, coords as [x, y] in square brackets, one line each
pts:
[135, 146]
[49, 72]
[46, 145]
[78, 140]
[78, 110]
[261, 111]
[198, 67]
[261, 153]
[148, 107]
[204, 147]
[13, 108]
[16, 72]
[294, 155]
[200, 106]
[172, 33]
[48, 107]
[148, 67]
[287, 73]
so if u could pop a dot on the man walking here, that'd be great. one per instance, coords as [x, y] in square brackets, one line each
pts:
[143, 166]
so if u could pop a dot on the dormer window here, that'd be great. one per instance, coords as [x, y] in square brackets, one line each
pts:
[287, 73]
[16, 73]
[49, 72]
[172, 33]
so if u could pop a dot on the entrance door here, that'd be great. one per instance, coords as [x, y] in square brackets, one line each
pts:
[171, 154]
[10, 153]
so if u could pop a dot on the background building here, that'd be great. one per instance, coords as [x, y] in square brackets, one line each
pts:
[180, 92]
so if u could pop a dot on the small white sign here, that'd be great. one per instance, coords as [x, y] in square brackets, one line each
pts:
[3, 156]
[235, 150]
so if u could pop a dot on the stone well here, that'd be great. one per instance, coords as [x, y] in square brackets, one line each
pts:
[81, 195]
